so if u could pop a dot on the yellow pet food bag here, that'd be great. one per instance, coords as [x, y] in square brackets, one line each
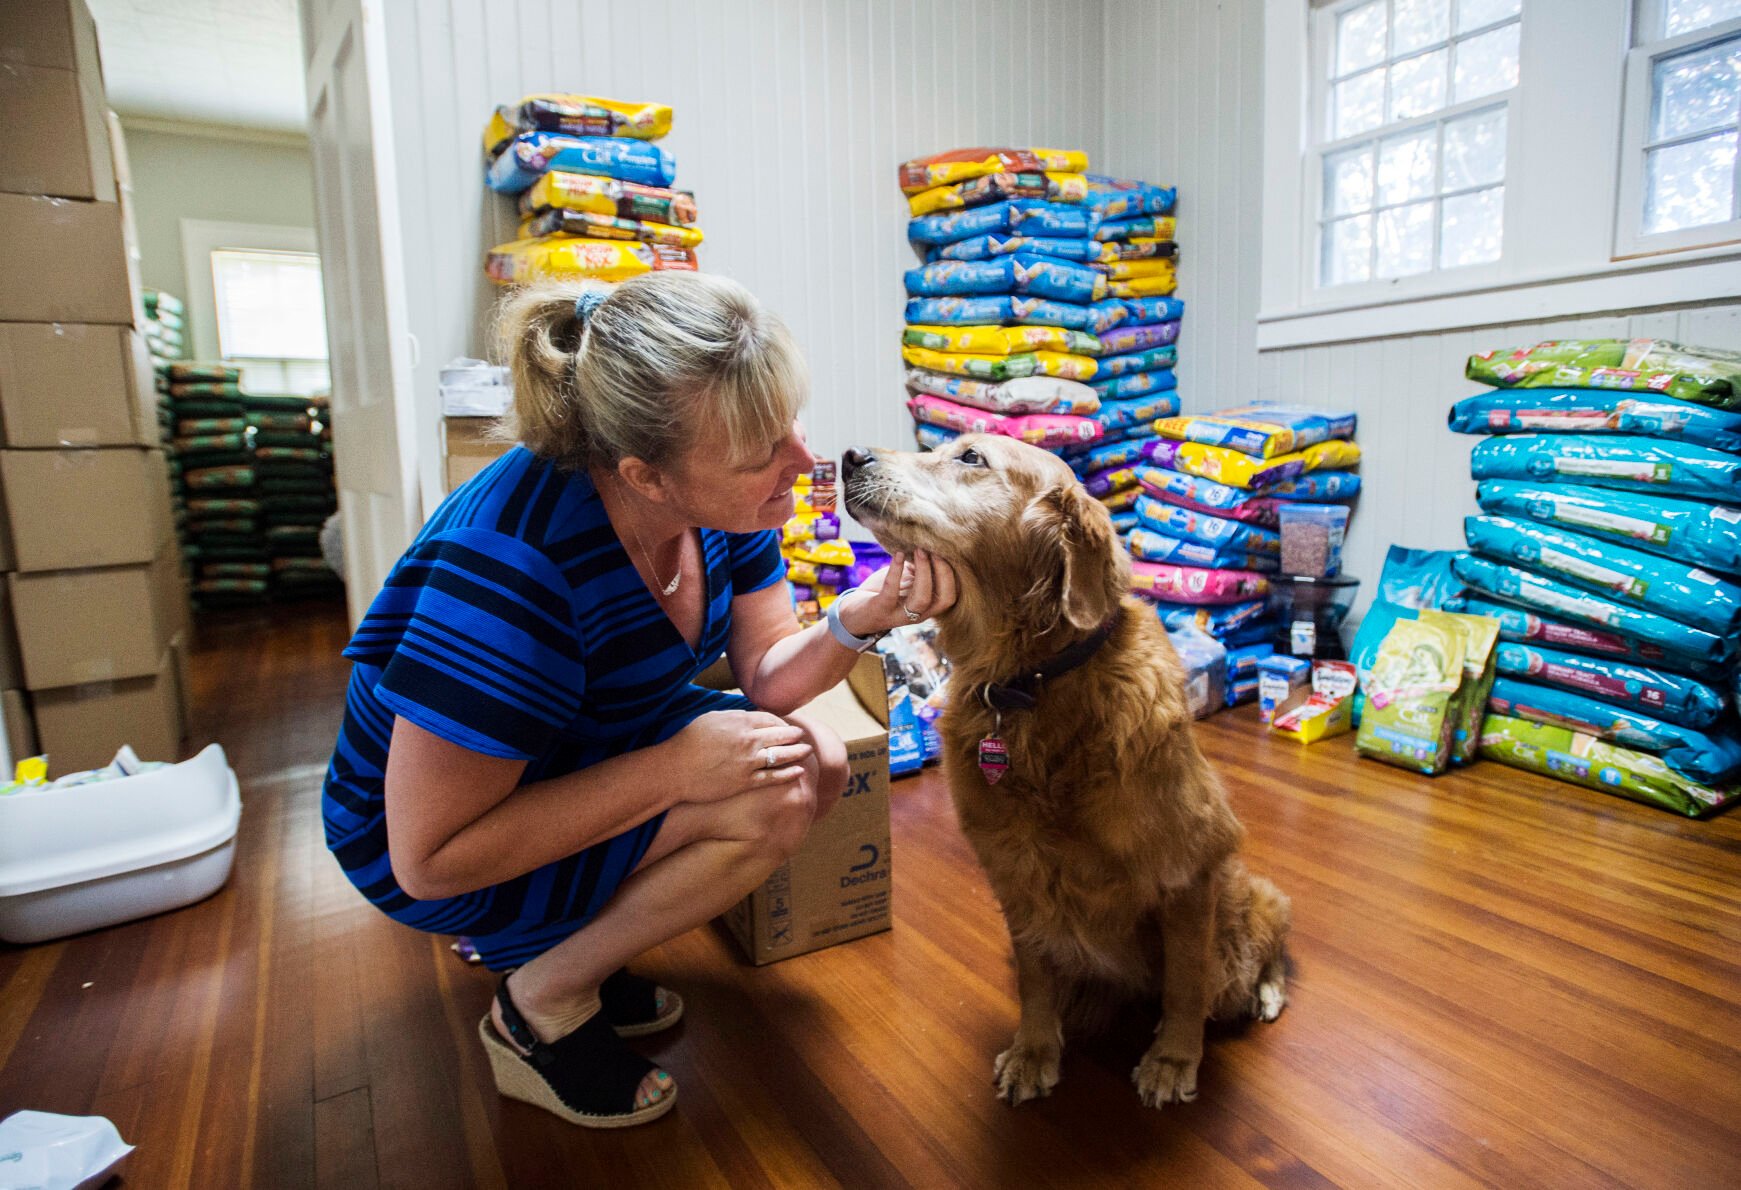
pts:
[589, 225]
[522, 261]
[1138, 287]
[576, 115]
[960, 165]
[1131, 270]
[1001, 340]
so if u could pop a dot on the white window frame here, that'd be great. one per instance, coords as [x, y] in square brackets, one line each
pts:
[1321, 35]
[1559, 257]
[1630, 239]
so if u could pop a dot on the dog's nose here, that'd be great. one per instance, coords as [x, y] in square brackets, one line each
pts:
[855, 458]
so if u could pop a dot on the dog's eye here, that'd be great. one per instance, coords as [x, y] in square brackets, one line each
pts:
[971, 458]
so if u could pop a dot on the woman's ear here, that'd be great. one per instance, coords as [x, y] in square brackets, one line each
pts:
[642, 478]
[1080, 565]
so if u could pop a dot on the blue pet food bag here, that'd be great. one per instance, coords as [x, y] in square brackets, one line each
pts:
[1695, 532]
[1620, 461]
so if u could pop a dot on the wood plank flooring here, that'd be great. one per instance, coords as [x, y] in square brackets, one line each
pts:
[1501, 980]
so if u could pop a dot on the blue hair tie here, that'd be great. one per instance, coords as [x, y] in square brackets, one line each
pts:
[586, 303]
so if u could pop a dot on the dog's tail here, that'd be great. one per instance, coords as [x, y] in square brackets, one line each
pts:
[1252, 920]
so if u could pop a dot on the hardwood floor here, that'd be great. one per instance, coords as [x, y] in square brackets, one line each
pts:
[1500, 980]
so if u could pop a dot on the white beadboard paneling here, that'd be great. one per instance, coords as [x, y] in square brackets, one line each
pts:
[791, 116]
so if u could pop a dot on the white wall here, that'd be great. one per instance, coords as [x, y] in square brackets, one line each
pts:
[791, 116]
[1200, 65]
[221, 176]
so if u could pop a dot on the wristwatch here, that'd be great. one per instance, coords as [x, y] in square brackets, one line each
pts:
[838, 631]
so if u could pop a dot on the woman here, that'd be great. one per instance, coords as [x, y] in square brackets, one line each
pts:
[525, 758]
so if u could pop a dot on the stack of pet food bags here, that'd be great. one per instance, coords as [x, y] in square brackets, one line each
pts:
[1042, 310]
[1208, 506]
[164, 339]
[1609, 550]
[214, 447]
[293, 465]
[594, 190]
[819, 565]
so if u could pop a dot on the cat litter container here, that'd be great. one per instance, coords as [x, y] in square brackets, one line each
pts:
[89, 856]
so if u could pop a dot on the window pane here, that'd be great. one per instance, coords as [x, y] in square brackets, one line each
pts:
[1348, 181]
[1696, 91]
[1683, 16]
[1690, 185]
[1473, 229]
[1405, 240]
[1348, 250]
[1475, 150]
[1359, 38]
[269, 304]
[1408, 167]
[1487, 63]
[1419, 23]
[1358, 105]
[1417, 86]
[1472, 14]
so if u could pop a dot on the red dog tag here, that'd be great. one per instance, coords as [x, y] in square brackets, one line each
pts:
[994, 758]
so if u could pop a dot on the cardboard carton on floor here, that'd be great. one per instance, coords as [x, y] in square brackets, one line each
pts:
[470, 447]
[81, 727]
[54, 139]
[76, 627]
[20, 728]
[57, 34]
[838, 885]
[70, 509]
[66, 261]
[70, 384]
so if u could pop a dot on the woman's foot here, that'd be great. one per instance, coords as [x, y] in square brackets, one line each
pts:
[636, 1006]
[571, 1063]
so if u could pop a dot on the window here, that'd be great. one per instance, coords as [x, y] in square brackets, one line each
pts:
[1412, 135]
[1683, 113]
[270, 318]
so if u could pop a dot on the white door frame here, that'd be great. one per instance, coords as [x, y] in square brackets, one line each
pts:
[356, 215]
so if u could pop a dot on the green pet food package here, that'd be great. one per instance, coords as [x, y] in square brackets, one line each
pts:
[1408, 720]
[1595, 764]
[1469, 704]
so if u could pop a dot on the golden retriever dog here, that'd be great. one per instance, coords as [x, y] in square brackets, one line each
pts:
[1107, 839]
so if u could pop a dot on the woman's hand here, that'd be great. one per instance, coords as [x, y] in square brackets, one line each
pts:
[725, 753]
[909, 589]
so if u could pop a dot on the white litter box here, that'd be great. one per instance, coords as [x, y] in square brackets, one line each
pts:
[90, 856]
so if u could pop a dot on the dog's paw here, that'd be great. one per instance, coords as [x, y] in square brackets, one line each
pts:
[1020, 1074]
[1272, 997]
[1160, 1080]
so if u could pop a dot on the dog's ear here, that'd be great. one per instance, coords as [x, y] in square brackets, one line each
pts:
[1079, 563]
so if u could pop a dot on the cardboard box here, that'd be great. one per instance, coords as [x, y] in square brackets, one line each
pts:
[66, 261]
[55, 138]
[71, 509]
[71, 384]
[103, 625]
[469, 447]
[838, 886]
[11, 659]
[19, 727]
[58, 34]
[82, 727]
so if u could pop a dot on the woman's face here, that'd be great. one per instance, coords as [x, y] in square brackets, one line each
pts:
[745, 496]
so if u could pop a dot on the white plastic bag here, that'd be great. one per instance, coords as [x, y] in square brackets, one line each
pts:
[43, 1151]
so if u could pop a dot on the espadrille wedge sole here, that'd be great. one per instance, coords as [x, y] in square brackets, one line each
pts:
[517, 1078]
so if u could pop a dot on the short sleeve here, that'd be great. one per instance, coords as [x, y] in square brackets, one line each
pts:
[475, 640]
[756, 561]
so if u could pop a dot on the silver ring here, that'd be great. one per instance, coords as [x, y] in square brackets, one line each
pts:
[913, 617]
[768, 760]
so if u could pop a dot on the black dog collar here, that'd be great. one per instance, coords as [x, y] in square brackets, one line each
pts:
[1023, 692]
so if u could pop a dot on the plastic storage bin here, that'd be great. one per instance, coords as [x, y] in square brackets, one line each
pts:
[1312, 539]
[90, 856]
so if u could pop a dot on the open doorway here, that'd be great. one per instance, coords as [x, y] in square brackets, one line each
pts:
[211, 107]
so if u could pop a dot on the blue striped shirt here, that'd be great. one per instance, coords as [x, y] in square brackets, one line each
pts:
[517, 626]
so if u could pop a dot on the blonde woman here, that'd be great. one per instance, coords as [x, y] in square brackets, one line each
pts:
[525, 758]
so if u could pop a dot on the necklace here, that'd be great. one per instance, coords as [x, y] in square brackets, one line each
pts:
[669, 588]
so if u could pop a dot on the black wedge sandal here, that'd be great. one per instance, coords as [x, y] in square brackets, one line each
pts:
[588, 1077]
[631, 1004]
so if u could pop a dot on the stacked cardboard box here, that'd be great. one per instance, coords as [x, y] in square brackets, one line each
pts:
[93, 615]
